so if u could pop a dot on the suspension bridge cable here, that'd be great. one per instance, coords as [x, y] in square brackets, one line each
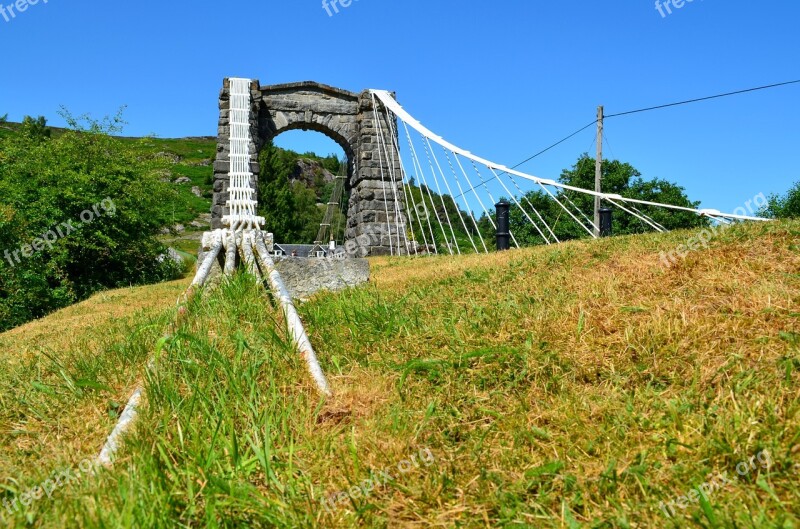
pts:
[389, 101]
[618, 114]
[429, 152]
[466, 204]
[649, 218]
[623, 208]
[567, 210]
[520, 205]
[469, 183]
[591, 222]
[428, 188]
[455, 204]
[416, 208]
[407, 189]
[525, 197]
[491, 220]
[383, 179]
[400, 223]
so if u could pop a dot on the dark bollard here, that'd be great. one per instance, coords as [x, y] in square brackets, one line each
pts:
[503, 227]
[605, 222]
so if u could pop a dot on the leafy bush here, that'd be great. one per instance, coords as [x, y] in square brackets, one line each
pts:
[618, 178]
[78, 213]
[784, 207]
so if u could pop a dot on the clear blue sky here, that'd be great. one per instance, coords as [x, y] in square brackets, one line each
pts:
[503, 79]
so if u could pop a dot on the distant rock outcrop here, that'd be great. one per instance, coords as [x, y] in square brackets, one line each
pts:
[311, 173]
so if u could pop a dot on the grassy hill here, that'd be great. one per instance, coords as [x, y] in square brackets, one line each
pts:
[157, 193]
[193, 158]
[579, 385]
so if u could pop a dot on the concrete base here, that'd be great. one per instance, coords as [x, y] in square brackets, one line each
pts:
[305, 277]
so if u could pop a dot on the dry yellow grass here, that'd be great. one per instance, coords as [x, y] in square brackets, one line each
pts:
[91, 319]
[55, 434]
[567, 386]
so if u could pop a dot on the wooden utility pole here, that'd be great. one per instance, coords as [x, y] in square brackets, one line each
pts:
[598, 170]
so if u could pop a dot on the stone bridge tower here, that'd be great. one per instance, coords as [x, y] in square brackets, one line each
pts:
[349, 120]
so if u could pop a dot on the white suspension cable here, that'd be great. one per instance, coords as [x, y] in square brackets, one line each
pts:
[720, 220]
[407, 189]
[469, 183]
[497, 177]
[418, 169]
[480, 177]
[466, 204]
[579, 210]
[649, 218]
[390, 102]
[421, 174]
[382, 144]
[400, 223]
[433, 204]
[438, 165]
[536, 211]
[383, 180]
[568, 211]
[623, 208]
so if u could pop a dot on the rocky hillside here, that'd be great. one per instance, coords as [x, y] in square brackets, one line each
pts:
[311, 172]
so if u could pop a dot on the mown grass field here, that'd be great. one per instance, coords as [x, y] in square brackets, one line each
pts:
[570, 386]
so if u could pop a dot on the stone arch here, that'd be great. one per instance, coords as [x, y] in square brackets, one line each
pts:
[345, 117]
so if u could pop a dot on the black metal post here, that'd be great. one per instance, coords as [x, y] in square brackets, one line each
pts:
[503, 227]
[605, 222]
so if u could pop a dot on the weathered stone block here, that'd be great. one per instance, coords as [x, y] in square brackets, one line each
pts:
[305, 277]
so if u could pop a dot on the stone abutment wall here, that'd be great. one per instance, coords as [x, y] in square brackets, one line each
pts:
[375, 180]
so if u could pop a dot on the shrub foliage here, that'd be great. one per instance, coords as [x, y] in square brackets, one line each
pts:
[79, 213]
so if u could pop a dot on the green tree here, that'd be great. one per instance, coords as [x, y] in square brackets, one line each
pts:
[308, 213]
[3, 118]
[35, 129]
[332, 163]
[98, 203]
[618, 178]
[276, 199]
[623, 179]
[783, 206]
[427, 212]
[293, 210]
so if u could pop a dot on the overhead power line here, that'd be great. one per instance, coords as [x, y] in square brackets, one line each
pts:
[556, 144]
[688, 101]
[523, 162]
[703, 99]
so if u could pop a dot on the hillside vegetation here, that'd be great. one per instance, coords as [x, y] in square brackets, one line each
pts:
[83, 210]
[578, 385]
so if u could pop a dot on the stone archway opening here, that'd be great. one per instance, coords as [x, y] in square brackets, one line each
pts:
[349, 120]
[315, 173]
